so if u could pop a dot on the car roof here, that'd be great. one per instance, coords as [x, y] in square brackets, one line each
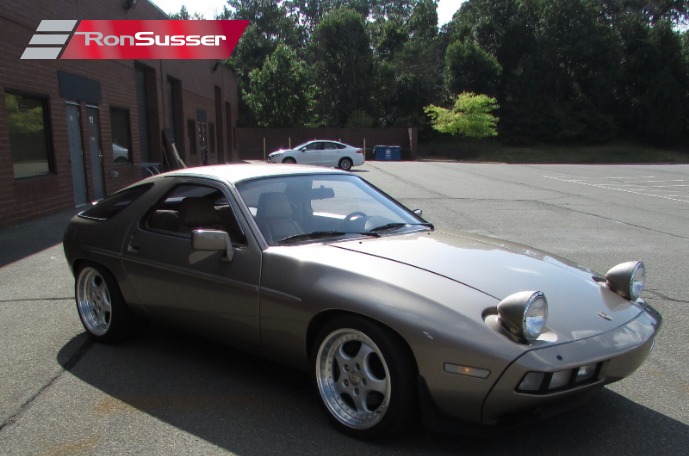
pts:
[322, 140]
[237, 172]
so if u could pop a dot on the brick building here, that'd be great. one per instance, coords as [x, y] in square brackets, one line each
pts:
[73, 131]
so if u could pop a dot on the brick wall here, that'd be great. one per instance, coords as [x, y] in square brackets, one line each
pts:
[22, 199]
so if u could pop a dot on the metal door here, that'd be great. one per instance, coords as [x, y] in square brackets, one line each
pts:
[76, 155]
[95, 152]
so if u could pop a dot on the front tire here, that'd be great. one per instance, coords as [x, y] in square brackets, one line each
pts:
[365, 377]
[289, 161]
[100, 305]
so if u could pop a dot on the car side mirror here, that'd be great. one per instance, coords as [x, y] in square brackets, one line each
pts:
[213, 241]
[418, 212]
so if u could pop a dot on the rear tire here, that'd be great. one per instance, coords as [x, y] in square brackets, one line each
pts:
[102, 310]
[345, 164]
[365, 376]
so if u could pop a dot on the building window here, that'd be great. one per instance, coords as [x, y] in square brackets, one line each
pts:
[29, 135]
[121, 135]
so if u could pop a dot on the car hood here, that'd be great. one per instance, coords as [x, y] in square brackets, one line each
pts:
[578, 306]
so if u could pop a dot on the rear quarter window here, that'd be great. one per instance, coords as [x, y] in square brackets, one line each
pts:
[113, 205]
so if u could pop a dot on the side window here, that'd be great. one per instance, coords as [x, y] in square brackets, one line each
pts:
[189, 207]
[121, 135]
[114, 204]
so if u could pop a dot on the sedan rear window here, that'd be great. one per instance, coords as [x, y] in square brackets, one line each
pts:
[113, 205]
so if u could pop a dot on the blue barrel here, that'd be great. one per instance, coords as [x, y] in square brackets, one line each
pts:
[387, 153]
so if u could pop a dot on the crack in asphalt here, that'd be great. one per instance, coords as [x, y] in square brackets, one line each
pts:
[549, 202]
[666, 297]
[651, 230]
[71, 362]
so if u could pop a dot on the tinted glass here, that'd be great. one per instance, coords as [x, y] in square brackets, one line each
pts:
[190, 206]
[113, 205]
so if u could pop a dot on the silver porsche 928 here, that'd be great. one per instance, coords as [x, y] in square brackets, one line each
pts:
[320, 270]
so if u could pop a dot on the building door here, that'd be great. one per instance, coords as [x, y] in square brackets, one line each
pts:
[76, 155]
[95, 152]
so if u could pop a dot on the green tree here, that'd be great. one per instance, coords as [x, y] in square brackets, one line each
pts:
[471, 116]
[654, 82]
[342, 67]
[650, 11]
[423, 21]
[183, 15]
[387, 37]
[279, 93]
[468, 68]
[269, 25]
[407, 75]
[407, 83]
[580, 56]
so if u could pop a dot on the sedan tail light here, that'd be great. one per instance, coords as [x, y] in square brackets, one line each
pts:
[359, 151]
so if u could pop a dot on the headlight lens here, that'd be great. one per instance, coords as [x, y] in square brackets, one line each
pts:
[535, 316]
[627, 279]
[524, 314]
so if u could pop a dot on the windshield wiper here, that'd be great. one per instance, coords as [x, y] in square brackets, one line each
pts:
[395, 226]
[320, 235]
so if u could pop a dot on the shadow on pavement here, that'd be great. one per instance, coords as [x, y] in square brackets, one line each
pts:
[250, 406]
[31, 237]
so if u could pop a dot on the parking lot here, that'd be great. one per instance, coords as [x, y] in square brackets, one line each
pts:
[168, 393]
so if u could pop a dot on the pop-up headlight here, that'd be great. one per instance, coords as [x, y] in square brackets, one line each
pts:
[524, 314]
[627, 279]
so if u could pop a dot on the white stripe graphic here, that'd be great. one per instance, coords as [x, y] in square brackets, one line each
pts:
[56, 26]
[43, 40]
[41, 53]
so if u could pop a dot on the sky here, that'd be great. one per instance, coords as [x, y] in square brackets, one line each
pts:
[210, 8]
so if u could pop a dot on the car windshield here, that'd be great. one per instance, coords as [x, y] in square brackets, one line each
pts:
[307, 208]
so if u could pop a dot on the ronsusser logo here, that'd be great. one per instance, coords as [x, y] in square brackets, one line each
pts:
[87, 39]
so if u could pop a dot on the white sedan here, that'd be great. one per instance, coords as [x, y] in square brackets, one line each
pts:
[321, 152]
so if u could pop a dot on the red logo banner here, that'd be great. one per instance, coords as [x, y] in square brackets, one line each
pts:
[161, 39]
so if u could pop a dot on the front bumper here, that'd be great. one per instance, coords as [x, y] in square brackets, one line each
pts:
[618, 353]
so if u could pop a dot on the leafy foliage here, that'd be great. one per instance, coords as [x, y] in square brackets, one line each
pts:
[471, 116]
[575, 71]
[183, 15]
[343, 66]
[470, 68]
[279, 93]
[582, 70]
